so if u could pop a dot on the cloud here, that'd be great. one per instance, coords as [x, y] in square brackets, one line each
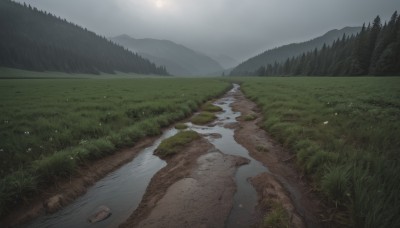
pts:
[234, 27]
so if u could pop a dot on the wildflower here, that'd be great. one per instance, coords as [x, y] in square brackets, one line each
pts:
[56, 131]
[1, 150]
[82, 141]
[51, 139]
[29, 150]
[99, 124]
[326, 122]
[26, 132]
[71, 158]
[336, 114]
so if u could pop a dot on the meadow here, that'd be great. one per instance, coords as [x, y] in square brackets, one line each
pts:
[345, 133]
[49, 127]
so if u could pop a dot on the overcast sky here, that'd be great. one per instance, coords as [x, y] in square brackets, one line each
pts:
[237, 28]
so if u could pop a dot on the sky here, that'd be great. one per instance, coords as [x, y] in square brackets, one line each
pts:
[236, 28]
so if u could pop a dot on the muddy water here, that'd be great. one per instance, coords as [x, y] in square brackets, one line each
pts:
[245, 199]
[121, 191]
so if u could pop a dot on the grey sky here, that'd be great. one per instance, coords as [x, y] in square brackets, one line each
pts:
[237, 28]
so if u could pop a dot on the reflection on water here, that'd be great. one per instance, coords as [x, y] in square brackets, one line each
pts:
[121, 191]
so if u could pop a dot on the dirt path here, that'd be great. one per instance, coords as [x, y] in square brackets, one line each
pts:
[285, 184]
[195, 189]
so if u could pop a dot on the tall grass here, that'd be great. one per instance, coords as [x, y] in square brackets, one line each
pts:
[48, 127]
[345, 133]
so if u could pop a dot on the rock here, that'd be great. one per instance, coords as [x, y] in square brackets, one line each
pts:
[101, 214]
[53, 204]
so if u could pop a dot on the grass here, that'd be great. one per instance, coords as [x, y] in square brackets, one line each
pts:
[250, 117]
[203, 118]
[345, 133]
[181, 126]
[174, 144]
[49, 127]
[209, 107]
[277, 217]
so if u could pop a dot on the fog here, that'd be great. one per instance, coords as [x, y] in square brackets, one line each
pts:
[237, 28]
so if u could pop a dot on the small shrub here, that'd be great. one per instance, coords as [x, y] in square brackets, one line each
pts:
[174, 144]
[203, 118]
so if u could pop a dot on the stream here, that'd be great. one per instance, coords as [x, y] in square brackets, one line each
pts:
[123, 189]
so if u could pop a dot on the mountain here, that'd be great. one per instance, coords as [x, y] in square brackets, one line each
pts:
[225, 61]
[178, 59]
[35, 40]
[282, 53]
[375, 50]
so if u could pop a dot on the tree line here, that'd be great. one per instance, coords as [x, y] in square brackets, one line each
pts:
[375, 50]
[36, 40]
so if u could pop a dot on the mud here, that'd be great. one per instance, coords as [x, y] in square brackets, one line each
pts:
[195, 189]
[284, 183]
[64, 192]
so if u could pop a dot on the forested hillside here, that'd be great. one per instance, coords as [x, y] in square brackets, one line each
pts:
[374, 51]
[280, 54]
[35, 40]
[178, 59]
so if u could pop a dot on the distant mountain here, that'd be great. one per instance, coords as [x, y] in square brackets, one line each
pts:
[178, 59]
[35, 40]
[281, 54]
[225, 61]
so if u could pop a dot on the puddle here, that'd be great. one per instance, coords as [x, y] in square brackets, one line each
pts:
[121, 191]
[245, 199]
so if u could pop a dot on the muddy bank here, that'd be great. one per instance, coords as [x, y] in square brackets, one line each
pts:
[66, 191]
[284, 183]
[195, 189]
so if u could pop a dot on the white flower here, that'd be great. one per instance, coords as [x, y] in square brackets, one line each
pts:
[29, 150]
[27, 132]
[51, 139]
[1, 150]
[71, 158]
[56, 131]
[99, 124]
[336, 114]
[326, 122]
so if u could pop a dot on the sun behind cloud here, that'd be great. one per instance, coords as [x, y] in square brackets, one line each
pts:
[159, 3]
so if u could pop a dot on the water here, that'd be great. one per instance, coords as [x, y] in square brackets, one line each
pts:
[121, 191]
[245, 199]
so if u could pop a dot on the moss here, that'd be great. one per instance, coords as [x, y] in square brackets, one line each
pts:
[250, 117]
[203, 118]
[181, 126]
[174, 144]
[209, 107]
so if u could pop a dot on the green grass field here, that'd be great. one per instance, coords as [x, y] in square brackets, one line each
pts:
[51, 126]
[346, 136]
